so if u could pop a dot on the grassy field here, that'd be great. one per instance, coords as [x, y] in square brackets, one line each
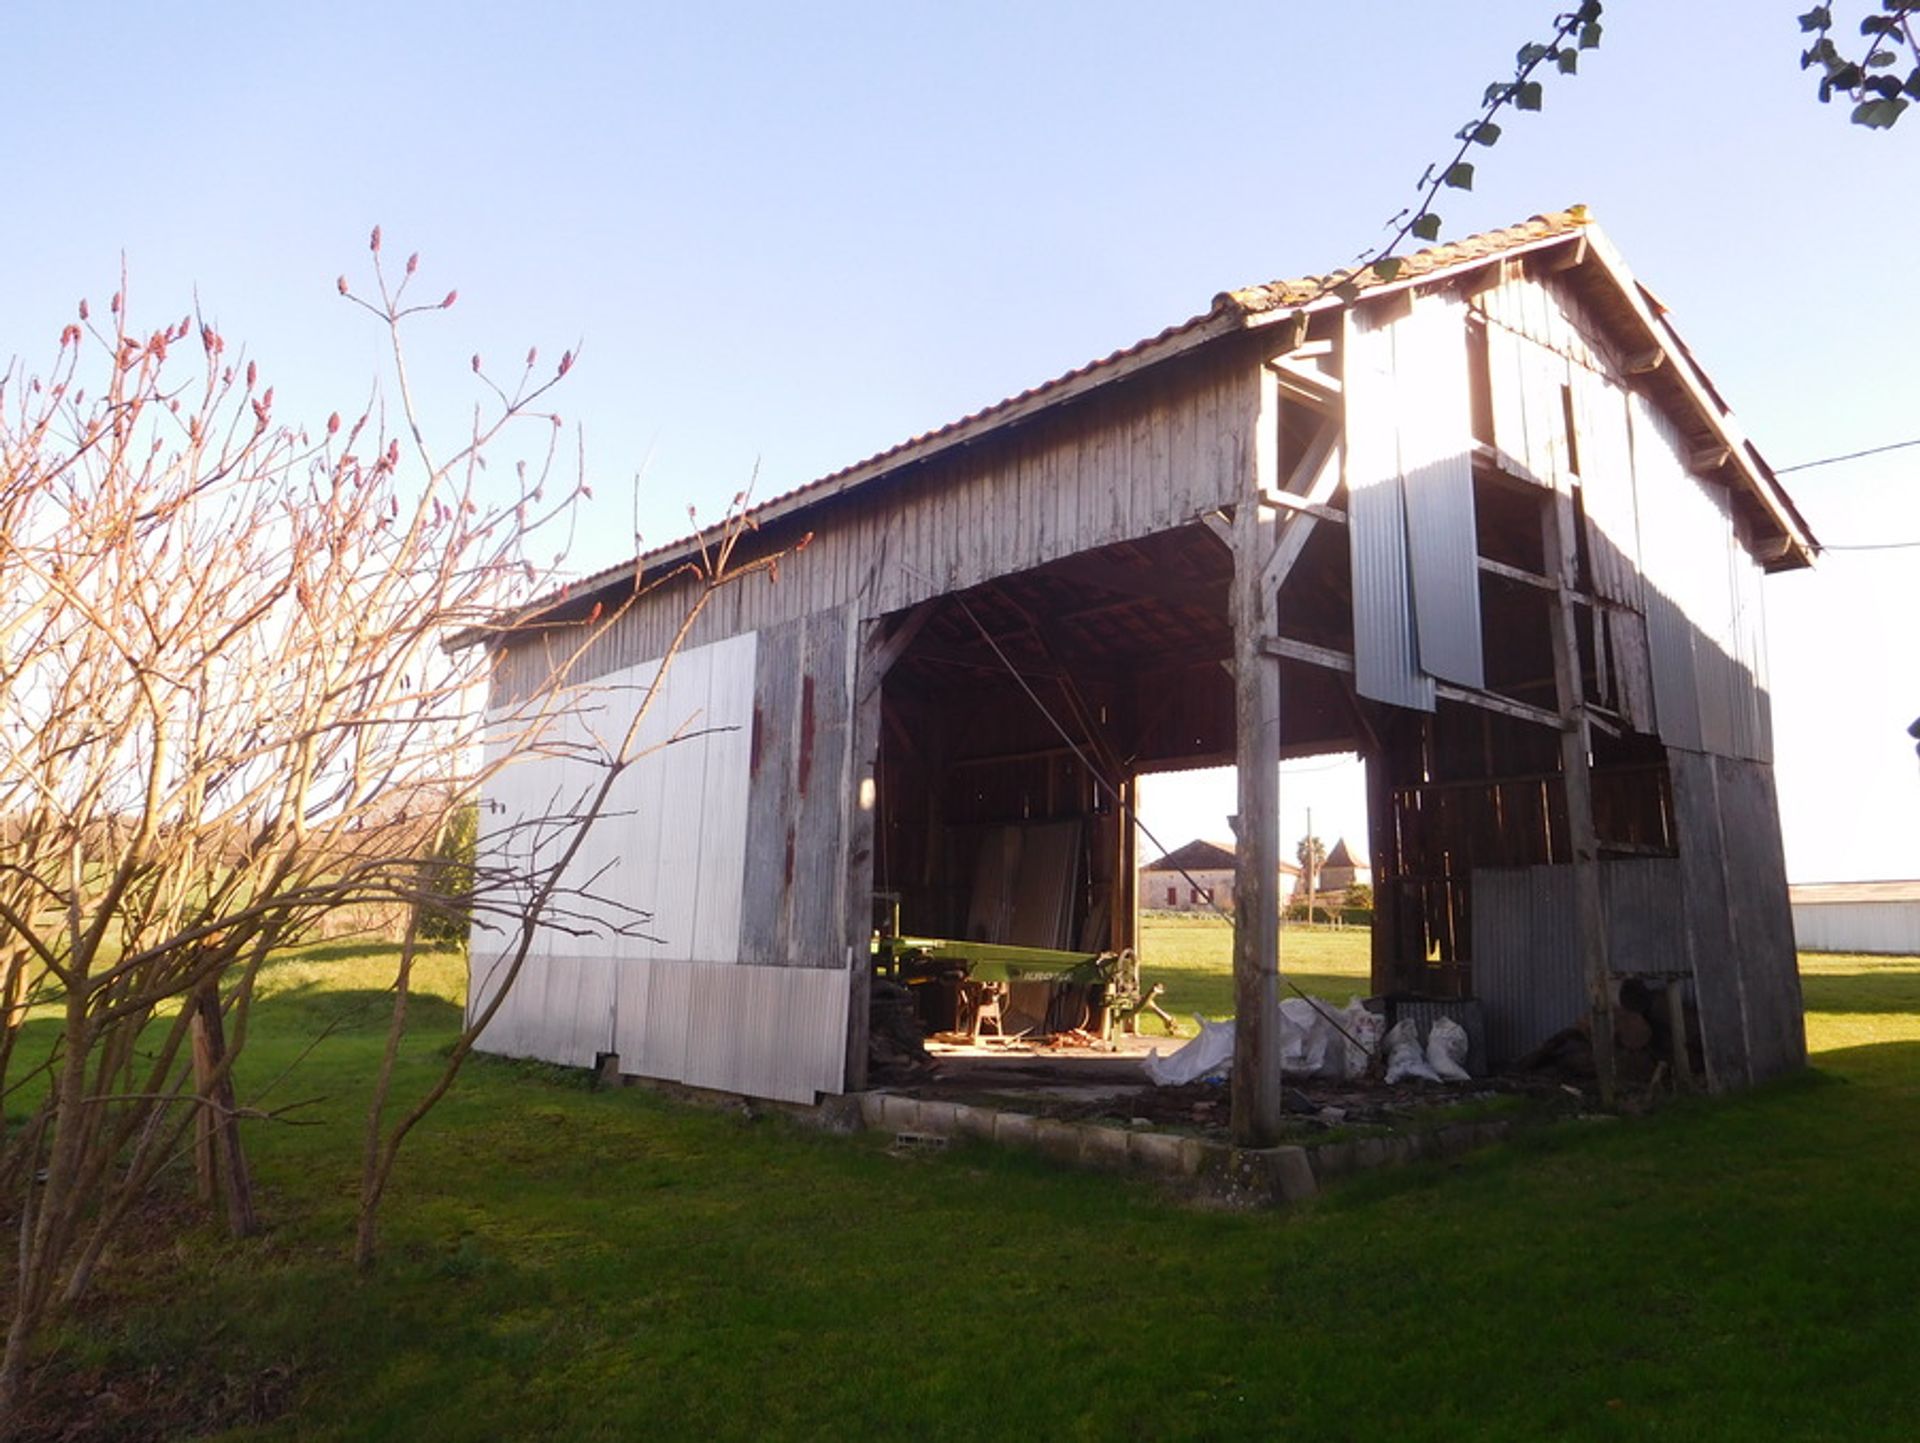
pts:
[568, 1264]
[1193, 955]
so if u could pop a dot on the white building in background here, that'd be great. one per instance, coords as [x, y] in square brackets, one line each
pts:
[1196, 878]
[1856, 917]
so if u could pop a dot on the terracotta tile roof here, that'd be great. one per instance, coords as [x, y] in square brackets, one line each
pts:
[1305, 290]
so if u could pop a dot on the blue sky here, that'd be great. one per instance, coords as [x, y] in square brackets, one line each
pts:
[788, 237]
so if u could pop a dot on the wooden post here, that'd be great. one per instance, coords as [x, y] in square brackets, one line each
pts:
[1678, 1054]
[1126, 896]
[1559, 533]
[1383, 849]
[869, 669]
[1256, 881]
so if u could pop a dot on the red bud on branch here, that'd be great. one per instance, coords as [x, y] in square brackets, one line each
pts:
[83, 308]
[252, 373]
[476, 363]
[114, 304]
[343, 286]
[566, 363]
[533, 354]
[333, 423]
[452, 296]
[373, 242]
[413, 262]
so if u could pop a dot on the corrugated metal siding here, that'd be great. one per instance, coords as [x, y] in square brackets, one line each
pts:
[1527, 970]
[671, 841]
[1526, 957]
[778, 1032]
[1886, 927]
[1436, 470]
[1706, 624]
[1153, 456]
[1644, 907]
[1384, 653]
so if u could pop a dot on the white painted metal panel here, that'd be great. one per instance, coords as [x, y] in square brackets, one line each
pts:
[1385, 664]
[1434, 418]
[1666, 561]
[1891, 928]
[671, 843]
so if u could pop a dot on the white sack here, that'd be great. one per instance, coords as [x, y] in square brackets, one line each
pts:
[1208, 1055]
[1308, 1042]
[1404, 1058]
[1361, 1044]
[1447, 1051]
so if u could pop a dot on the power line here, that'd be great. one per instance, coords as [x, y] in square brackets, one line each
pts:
[1850, 456]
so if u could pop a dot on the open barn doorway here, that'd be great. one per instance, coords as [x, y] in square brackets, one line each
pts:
[1017, 722]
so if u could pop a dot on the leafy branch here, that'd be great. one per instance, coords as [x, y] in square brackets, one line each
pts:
[1573, 31]
[1878, 99]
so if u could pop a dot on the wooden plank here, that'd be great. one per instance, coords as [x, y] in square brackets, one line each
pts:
[818, 868]
[1257, 1114]
[1716, 965]
[1754, 865]
[863, 750]
[1561, 545]
[765, 886]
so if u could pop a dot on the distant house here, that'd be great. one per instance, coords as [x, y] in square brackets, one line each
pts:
[1195, 878]
[1856, 917]
[1342, 869]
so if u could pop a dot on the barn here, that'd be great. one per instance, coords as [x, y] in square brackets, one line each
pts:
[1486, 523]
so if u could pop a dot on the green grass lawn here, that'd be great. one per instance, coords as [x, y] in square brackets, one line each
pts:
[1193, 955]
[568, 1264]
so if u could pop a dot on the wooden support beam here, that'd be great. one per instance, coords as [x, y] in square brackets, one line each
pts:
[1709, 458]
[1315, 478]
[1642, 363]
[1332, 660]
[1257, 1113]
[1287, 501]
[895, 643]
[857, 927]
[1308, 384]
[1515, 573]
[1560, 539]
[1572, 258]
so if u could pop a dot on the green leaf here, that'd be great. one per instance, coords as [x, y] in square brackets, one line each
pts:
[1878, 114]
[1569, 61]
[1589, 12]
[1881, 59]
[1348, 290]
[1847, 76]
[1530, 54]
[1818, 18]
[1497, 92]
[1459, 175]
[1426, 226]
[1912, 87]
[1485, 133]
[1529, 95]
[1879, 25]
[1387, 267]
[1590, 37]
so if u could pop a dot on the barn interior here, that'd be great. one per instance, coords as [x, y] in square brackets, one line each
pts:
[1018, 715]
